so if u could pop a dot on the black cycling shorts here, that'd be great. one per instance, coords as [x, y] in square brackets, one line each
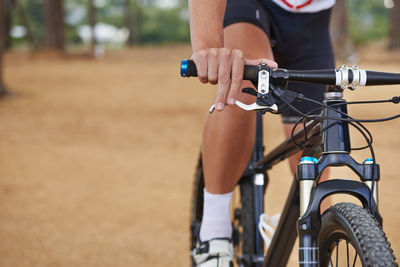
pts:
[300, 41]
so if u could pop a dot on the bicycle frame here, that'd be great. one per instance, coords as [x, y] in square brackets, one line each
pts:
[305, 195]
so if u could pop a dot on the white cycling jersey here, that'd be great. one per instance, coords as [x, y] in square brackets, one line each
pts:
[305, 6]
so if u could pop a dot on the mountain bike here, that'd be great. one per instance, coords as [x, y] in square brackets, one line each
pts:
[344, 235]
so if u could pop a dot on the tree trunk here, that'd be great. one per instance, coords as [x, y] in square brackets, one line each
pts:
[92, 17]
[339, 31]
[132, 21]
[3, 89]
[1, 43]
[24, 20]
[394, 26]
[8, 6]
[54, 24]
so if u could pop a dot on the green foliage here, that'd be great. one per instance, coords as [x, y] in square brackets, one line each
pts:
[368, 20]
[112, 14]
[34, 13]
[71, 35]
[161, 25]
[157, 25]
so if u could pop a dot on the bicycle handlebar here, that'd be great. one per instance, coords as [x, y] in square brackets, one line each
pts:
[343, 76]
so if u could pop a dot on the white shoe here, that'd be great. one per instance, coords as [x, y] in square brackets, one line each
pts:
[217, 252]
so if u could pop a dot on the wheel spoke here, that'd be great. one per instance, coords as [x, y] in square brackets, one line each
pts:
[348, 256]
[347, 227]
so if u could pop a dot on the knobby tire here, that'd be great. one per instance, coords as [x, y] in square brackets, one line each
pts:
[351, 225]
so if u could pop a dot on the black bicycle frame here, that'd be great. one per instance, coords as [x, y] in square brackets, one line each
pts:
[332, 150]
[328, 140]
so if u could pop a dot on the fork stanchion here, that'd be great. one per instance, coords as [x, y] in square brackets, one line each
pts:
[307, 172]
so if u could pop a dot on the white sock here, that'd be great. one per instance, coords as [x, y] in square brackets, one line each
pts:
[216, 222]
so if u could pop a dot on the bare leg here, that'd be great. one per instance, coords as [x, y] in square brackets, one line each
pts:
[228, 135]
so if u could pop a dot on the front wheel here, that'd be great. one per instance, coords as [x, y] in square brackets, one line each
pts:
[350, 236]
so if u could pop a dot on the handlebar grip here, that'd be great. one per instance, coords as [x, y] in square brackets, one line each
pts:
[188, 69]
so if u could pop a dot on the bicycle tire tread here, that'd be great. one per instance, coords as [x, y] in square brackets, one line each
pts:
[372, 240]
[247, 215]
[196, 204]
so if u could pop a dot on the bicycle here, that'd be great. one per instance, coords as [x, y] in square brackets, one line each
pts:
[325, 141]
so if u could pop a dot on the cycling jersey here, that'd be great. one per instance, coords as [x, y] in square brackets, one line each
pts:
[304, 6]
[300, 41]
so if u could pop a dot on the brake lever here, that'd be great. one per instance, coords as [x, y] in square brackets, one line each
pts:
[253, 106]
[262, 93]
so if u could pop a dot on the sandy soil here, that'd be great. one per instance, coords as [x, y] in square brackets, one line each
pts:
[97, 157]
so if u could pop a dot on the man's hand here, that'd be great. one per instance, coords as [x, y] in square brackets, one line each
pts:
[224, 66]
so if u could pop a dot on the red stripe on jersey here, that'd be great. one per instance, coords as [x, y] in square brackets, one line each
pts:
[297, 7]
[303, 5]
[286, 3]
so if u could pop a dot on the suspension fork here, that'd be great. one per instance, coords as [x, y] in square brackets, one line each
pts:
[335, 140]
[335, 152]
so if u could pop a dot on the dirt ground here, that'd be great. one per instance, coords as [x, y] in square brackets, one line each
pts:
[97, 157]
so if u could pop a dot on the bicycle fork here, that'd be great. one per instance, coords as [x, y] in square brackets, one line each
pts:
[335, 152]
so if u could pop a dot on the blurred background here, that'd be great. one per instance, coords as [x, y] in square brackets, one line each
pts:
[68, 24]
[99, 135]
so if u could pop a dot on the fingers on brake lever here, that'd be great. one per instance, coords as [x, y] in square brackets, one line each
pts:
[253, 106]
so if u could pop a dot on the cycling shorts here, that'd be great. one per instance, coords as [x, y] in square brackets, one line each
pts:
[300, 41]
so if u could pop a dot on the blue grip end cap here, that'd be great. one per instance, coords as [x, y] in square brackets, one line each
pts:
[184, 67]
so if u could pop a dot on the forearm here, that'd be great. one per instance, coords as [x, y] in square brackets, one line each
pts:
[206, 23]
